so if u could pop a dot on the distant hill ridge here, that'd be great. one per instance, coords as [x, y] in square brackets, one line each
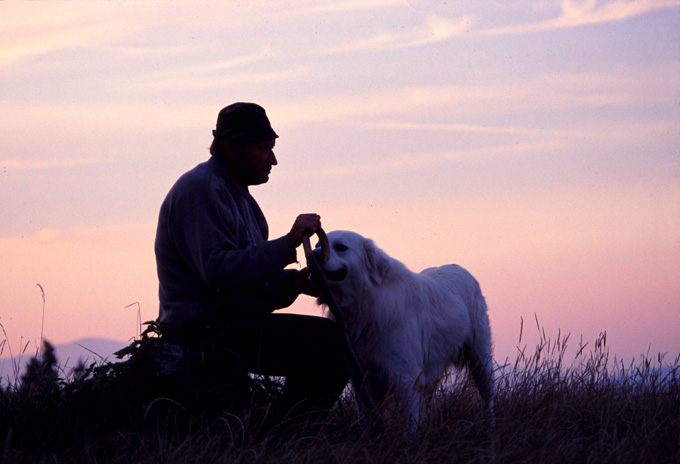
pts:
[89, 350]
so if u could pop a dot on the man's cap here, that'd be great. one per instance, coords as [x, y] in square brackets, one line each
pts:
[244, 121]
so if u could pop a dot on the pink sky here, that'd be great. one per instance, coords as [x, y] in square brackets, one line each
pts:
[534, 143]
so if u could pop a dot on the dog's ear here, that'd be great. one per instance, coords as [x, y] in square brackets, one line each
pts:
[377, 262]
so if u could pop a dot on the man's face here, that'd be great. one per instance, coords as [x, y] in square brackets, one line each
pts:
[253, 162]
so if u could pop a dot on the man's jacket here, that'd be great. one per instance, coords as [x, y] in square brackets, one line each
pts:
[212, 252]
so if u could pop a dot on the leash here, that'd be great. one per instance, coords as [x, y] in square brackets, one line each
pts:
[358, 373]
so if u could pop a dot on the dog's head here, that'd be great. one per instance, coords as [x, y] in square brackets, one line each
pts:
[355, 261]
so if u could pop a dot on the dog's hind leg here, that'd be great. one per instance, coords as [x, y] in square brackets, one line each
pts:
[480, 364]
[478, 351]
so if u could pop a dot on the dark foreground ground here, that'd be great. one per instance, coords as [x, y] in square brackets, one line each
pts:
[593, 411]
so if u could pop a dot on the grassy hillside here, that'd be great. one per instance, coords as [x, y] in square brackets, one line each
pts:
[591, 409]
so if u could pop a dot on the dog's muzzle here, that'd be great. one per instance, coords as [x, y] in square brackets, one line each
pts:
[336, 276]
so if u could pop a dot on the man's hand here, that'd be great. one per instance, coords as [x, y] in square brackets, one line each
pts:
[305, 224]
[306, 285]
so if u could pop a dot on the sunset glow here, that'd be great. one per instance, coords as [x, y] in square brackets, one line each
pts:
[535, 143]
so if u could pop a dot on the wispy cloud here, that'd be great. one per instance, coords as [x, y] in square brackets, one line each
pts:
[29, 165]
[216, 74]
[77, 234]
[89, 119]
[432, 104]
[212, 76]
[575, 13]
[347, 5]
[620, 133]
[29, 29]
[469, 128]
[406, 163]
[433, 30]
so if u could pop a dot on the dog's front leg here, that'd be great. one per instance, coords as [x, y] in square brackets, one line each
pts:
[411, 402]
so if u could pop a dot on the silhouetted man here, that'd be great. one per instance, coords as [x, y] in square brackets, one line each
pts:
[221, 278]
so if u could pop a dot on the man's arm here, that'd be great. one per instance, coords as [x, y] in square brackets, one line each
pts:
[207, 237]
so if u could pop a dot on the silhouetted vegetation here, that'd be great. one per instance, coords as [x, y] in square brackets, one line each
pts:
[593, 410]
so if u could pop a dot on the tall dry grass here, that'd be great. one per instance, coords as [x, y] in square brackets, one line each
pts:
[548, 409]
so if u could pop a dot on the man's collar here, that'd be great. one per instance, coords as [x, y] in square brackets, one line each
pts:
[223, 172]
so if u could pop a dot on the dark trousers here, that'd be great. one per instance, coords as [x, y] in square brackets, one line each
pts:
[308, 351]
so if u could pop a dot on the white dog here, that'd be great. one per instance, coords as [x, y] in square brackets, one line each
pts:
[408, 328]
